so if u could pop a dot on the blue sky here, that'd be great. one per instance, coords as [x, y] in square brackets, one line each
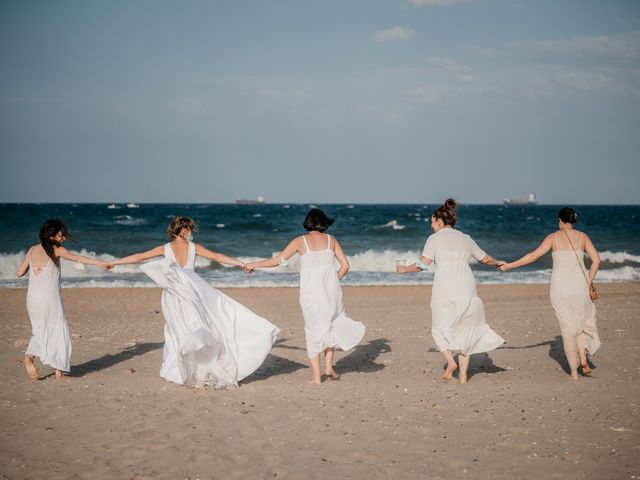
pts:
[334, 101]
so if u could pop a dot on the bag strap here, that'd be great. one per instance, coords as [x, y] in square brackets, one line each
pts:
[576, 254]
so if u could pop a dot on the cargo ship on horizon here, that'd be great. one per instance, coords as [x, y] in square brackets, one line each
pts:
[531, 200]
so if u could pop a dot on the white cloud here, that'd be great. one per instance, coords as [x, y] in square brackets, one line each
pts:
[395, 34]
[624, 47]
[437, 3]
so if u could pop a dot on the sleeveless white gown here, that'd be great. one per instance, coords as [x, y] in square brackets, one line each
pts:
[50, 340]
[325, 321]
[569, 296]
[210, 339]
[458, 320]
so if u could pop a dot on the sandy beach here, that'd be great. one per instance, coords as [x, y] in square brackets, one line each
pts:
[520, 416]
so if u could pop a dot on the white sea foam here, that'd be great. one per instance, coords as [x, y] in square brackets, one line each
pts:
[619, 257]
[371, 267]
[129, 220]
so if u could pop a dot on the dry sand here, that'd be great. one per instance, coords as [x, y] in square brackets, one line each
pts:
[520, 416]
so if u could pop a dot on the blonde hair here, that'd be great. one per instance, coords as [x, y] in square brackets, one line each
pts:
[178, 223]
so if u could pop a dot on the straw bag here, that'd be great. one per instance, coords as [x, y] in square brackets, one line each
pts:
[593, 293]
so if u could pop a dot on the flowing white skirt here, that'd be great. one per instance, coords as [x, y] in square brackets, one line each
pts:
[210, 339]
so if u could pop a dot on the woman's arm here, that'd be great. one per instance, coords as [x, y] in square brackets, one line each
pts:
[139, 257]
[217, 257]
[342, 258]
[530, 257]
[293, 247]
[24, 265]
[593, 255]
[489, 260]
[414, 268]
[74, 257]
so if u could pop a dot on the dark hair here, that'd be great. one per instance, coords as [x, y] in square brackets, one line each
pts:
[48, 230]
[568, 215]
[316, 220]
[446, 212]
[178, 223]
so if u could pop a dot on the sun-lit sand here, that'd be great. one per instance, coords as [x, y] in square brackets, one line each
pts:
[389, 416]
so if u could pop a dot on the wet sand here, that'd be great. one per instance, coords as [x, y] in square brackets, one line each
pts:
[390, 415]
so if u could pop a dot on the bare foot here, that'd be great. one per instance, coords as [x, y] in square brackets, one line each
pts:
[30, 367]
[462, 378]
[332, 375]
[313, 382]
[574, 375]
[59, 375]
[448, 373]
[586, 370]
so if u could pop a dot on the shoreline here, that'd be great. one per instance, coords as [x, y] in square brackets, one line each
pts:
[389, 415]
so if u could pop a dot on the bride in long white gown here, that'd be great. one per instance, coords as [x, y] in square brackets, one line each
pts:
[210, 339]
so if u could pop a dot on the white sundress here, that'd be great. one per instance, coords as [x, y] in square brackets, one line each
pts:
[210, 339]
[458, 320]
[326, 324]
[50, 340]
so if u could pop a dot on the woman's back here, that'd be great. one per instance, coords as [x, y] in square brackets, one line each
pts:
[450, 245]
[182, 253]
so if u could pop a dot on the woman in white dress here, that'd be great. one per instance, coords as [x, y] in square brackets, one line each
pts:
[50, 338]
[458, 321]
[569, 289]
[210, 339]
[326, 324]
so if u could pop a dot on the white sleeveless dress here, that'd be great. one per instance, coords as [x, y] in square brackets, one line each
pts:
[326, 324]
[210, 339]
[458, 320]
[569, 296]
[50, 340]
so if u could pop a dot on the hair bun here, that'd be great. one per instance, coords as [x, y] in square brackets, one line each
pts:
[450, 204]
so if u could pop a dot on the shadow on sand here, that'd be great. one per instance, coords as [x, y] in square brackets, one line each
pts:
[107, 361]
[363, 357]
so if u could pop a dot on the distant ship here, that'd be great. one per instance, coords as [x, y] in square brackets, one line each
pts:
[532, 200]
[259, 200]
[132, 205]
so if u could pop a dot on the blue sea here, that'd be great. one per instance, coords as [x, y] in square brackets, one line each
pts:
[373, 237]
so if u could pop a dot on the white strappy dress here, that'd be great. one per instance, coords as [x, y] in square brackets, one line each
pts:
[210, 339]
[50, 340]
[569, 295]
[325, 321]
[458, 320]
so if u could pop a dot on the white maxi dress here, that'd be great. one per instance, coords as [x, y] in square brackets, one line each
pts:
[50, 339]
[210, 339]
[326, 323]
[458, 320]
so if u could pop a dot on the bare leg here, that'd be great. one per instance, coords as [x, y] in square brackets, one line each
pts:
[464, 366]
[451, 365]
[59, 374]
[328, 364]
[571, 351]
[30, 367]
[582, 352]
[315, 370]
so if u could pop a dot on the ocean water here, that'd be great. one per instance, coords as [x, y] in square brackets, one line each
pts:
[373, 237]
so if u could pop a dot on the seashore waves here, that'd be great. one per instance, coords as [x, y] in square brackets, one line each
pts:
[373, 236]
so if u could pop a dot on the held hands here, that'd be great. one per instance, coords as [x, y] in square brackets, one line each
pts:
[248, 267]
[504, 266]
[105, 266]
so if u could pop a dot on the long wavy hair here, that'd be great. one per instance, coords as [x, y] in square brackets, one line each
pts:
[48, 231]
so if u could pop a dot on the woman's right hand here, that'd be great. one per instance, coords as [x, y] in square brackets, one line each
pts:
[505, 266]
